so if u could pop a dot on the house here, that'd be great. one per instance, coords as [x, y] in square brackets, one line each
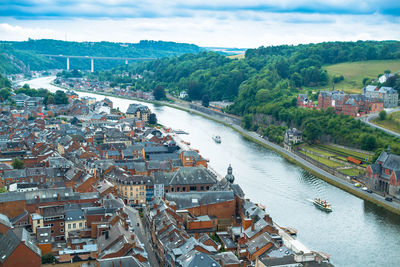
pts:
[388, 95]
[385, 77]
[292, 136]
[138, 111]
[183, 94]
[74, 220]
[18, 249]
[384, 174]
[304, 101]
[22, 187]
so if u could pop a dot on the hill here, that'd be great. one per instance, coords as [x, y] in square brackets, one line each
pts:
[355, 72]
[27, 55]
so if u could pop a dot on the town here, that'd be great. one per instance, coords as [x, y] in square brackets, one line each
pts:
[85, 184]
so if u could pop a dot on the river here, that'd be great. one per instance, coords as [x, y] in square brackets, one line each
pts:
[356, 233]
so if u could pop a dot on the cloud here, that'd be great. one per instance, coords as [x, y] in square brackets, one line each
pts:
[29, 9]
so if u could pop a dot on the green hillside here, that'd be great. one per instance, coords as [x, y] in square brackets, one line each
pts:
[355, 72]
[17, 57]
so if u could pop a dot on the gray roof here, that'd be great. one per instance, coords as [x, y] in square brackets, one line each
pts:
[282, 261]
[194, 199]
[259, 242]
[392, 162]
[127, 261]
[74, 215]
[192, 175]
[195, 258]
[134, 107]
[8, 243]
[5, 220]
[226, 258]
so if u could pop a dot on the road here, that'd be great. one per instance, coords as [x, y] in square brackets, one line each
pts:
[143, 235]
[367, 120]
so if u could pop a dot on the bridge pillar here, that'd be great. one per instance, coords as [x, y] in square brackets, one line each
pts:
[91, 65]
[126, 61]
[67, 63]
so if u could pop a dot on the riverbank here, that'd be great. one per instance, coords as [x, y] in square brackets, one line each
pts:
[344, 185]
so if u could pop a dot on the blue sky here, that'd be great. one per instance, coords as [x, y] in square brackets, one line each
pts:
[239, 23]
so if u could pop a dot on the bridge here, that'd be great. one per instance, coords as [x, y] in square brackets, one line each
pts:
[92, 58]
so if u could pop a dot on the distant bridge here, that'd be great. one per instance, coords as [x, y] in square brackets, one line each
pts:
[92, 58]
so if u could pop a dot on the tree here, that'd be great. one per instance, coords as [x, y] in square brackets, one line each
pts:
[382, 115]
[18, 164]
[4, 94]
[153, 118]
[48, 258]
[368, 142]
[3, 190]
[247, 121]
[205, 101]
[159, 93]
[60, 98]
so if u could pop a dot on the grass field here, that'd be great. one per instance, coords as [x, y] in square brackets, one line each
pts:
[240, 56]
[325, 161]
[346, 152]
[392, 122]
[352, 171]
[355, 72]
[319, 151]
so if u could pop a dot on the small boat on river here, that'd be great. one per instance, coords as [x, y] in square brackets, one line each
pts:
[322, 205]
[217, 139]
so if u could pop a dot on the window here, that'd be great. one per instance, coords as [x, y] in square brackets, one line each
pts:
[80, 225]
[178, 189]
[74, 225]
[62, 230]
[202, 188]
[69, 226]
[52, 231]
[183, 189]
[208, 187]
[193, 188]
[61, 224]
[172, 190]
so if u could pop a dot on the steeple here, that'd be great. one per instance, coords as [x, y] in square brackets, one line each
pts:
[229, 176]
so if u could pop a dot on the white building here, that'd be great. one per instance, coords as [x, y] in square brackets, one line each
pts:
[22, 187]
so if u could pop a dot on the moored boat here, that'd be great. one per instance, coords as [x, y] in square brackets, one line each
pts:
[322, 204]
[217, 139]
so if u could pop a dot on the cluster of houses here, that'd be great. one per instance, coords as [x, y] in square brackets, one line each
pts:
[372, 100]
[85, 165]
[86, 84]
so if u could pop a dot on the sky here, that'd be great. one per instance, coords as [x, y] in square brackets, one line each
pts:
[213, 23]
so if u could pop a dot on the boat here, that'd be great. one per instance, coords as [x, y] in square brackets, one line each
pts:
[322, 205]
[180, 132]
[289, 230]
[217, 139]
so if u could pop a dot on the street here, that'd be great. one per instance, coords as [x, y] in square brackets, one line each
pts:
[143, 235]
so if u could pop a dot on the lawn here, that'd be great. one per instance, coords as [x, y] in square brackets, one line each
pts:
[319, 151]
[347, 152]
[355, 72]
[324, 161]
[352, 171]
[240, 56]
[392, 122]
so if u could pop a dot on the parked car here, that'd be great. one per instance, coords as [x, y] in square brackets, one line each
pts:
[389, 199]
[357, 185]
[369, 191]
[365, 188]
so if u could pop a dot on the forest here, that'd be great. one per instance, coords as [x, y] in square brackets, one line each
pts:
[17, 57]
